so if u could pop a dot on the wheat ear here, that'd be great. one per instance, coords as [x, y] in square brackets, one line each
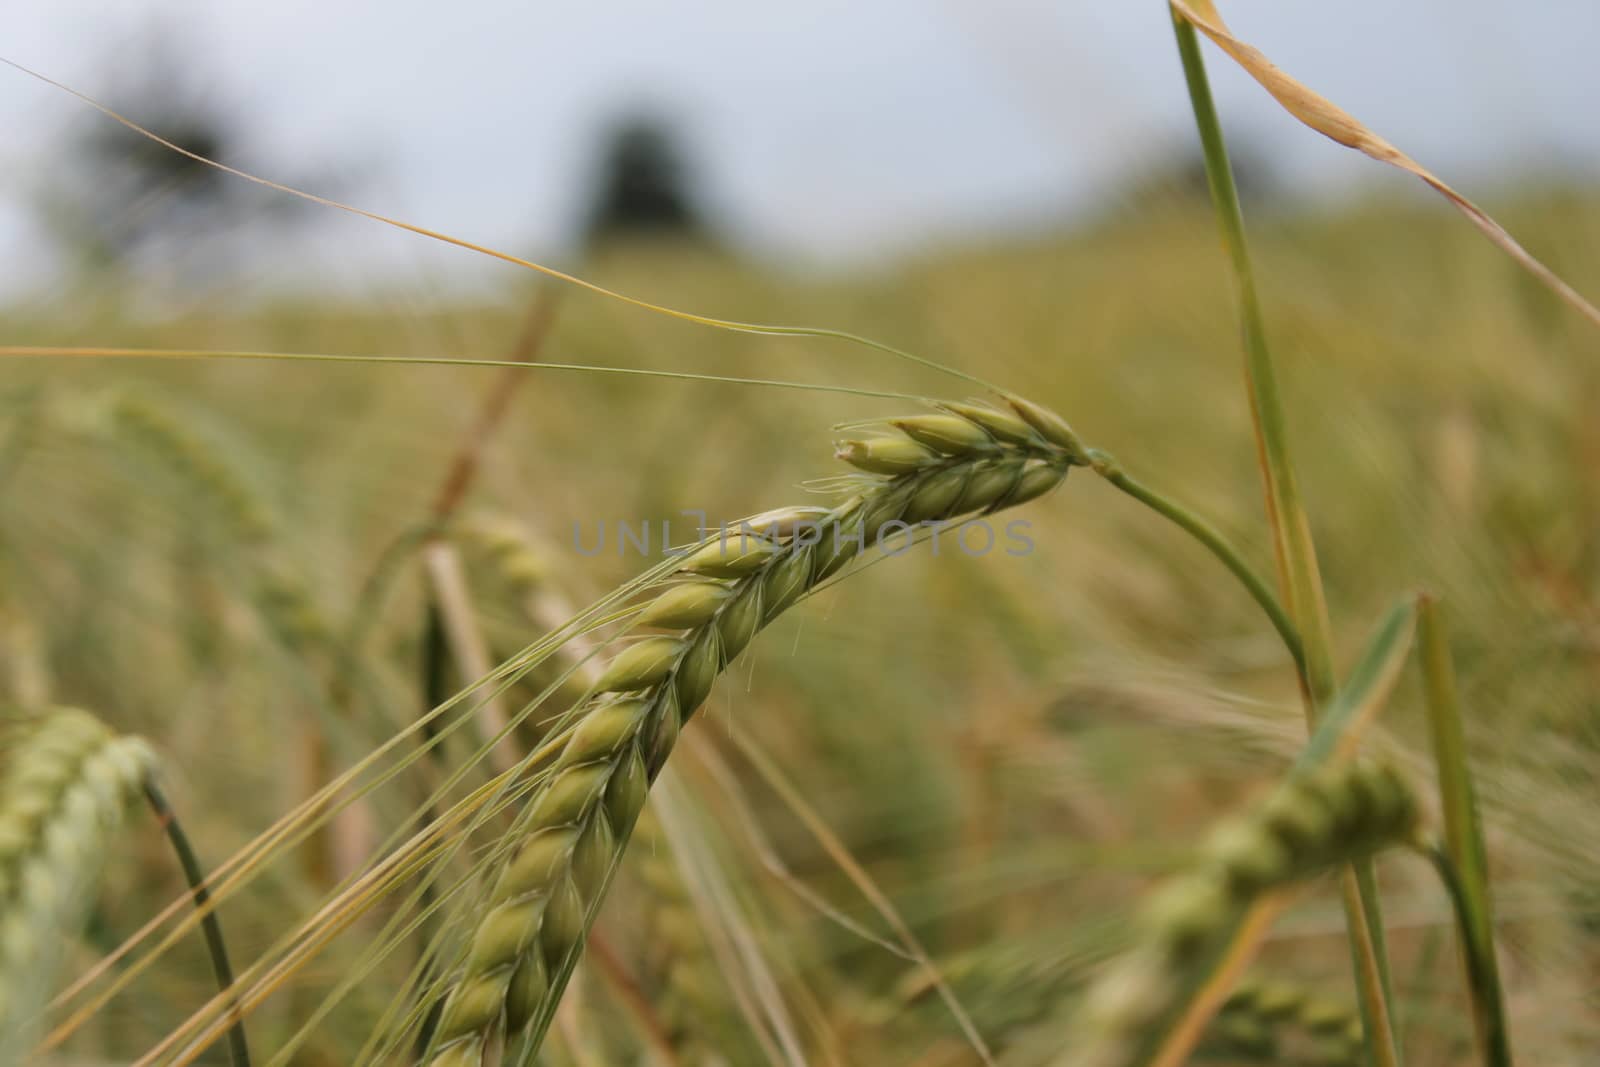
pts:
[282, 597]
[505, 546]
[67, 783]
[1261, 1012]
[1309, 825]
[964, 460]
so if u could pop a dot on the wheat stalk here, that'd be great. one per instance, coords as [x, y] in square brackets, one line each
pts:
[67, 784]
[1299, 573]
[1309, 825]
[964, 460]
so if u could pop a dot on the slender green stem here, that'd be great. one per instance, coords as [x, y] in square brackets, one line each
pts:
[210, 926]
[1483, 975]
[1296, 554]
[1108, 468]
[1297, 559]
[1465, 853]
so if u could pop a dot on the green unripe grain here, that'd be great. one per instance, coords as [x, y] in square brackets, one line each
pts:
[581, 816]
[948, 435]
[885, 455]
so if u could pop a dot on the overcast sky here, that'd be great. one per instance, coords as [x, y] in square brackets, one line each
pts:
[826, 132]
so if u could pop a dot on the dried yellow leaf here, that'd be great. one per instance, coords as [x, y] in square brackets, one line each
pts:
[1332, 121]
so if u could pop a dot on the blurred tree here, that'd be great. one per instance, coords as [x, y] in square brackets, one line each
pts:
[128, 202]
[1177, 175]
[643, 185]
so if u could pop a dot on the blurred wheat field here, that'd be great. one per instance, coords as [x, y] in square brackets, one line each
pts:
[1010, 746]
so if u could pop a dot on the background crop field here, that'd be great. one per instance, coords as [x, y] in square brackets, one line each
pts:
[1012, 747]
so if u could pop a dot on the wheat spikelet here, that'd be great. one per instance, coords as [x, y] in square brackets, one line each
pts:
[63, 791]
[517, 568]
[1262, 1016]
[280, 594]
[1309, 825]
[1014, 990]
[277, 589]
[533, 919]
[1011, 988]
[516, 563]
[192, 461]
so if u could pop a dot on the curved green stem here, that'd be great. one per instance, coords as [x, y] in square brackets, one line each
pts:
[210, 926]
[1108, 468]
[1477, 951]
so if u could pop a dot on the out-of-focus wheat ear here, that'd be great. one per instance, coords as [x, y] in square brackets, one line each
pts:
[1311, 824]
[277, 588]
[219, 483]
[65, 787]
[516, 563]
[195, 462]
[1262, 1016]
[508, 563]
